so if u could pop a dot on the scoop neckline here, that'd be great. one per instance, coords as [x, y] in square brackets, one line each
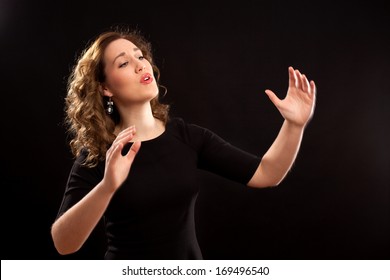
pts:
[155, 138]
[152, 139]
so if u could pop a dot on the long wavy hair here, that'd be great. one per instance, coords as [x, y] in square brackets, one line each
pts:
[89, 126]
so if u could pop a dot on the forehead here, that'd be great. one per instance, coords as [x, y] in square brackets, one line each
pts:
[119, 46]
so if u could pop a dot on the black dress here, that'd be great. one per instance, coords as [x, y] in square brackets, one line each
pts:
[151, 216]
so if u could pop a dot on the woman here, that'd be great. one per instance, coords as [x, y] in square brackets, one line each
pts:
[136, 167]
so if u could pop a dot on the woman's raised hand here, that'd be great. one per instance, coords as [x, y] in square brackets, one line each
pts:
[118, 165]
[298, 105]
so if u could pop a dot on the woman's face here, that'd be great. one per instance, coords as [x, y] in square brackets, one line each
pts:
[129, 76]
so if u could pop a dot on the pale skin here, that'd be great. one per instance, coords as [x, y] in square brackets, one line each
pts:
[124, 68]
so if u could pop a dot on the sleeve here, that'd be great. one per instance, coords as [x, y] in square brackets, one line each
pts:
[81, 180]
[220, 157]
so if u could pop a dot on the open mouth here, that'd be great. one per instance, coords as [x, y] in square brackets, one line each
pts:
[146, 78]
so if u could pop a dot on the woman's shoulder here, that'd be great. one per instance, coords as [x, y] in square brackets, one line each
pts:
[188, 132]
[80, 161]
[182, 123]
[176, 126]
[175, 121]
[179, 123]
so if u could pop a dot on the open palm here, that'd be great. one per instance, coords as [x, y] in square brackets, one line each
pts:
[298, 105]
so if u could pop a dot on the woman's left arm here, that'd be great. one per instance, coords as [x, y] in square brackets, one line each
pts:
[297, 109]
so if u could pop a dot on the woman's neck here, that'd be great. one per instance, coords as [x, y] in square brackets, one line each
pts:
[146, 125]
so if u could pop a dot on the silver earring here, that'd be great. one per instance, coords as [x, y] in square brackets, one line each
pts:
[110, 106]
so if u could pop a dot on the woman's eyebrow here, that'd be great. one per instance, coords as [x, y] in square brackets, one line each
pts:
[123, 53]
[119, 55]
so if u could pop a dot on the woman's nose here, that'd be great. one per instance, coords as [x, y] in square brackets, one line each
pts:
[140, 68]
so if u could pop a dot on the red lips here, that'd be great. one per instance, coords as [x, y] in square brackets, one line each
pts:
[146, 78]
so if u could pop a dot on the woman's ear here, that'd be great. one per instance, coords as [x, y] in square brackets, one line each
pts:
[106, 91]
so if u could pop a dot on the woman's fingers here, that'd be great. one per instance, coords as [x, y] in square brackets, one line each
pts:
[125, 136]
[114, 151]
[300, 81]
[305, 84]
[272, 96]
[133, 150]
[126, 130]
[313, 87]
[298, 76]
[291, 77]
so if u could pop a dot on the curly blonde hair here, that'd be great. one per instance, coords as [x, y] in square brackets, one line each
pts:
[90, 128]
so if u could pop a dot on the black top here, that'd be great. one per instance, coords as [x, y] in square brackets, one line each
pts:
[151, 216]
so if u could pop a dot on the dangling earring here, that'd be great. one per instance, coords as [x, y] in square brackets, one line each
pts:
[110, 106]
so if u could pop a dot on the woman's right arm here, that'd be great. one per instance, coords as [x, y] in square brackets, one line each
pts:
[71, 230]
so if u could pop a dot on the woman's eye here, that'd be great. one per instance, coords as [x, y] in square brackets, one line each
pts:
[123, 64]
[141, 57]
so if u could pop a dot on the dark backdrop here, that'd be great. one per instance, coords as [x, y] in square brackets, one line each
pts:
[216, 59]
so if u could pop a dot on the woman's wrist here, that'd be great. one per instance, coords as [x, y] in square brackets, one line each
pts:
[294, 127]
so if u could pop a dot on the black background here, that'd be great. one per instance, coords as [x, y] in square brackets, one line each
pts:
[216, 59]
